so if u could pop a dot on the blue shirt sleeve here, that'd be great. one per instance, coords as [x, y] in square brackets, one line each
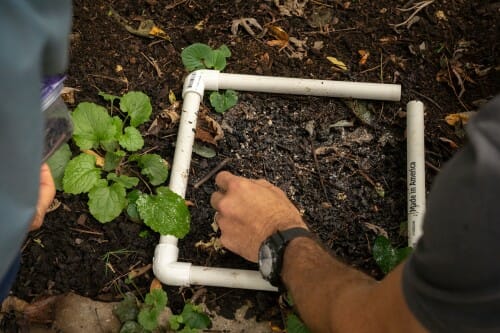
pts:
[34, 39]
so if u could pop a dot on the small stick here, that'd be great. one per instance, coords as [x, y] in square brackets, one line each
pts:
[319, 172]
[432, 166]
[87, 232]
[427, 98]
[153, 63]
[213, 172]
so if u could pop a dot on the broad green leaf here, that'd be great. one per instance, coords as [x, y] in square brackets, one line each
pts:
[92, 126]
[112, 159]
[165, 212]
[57, 164]
[155, 302]
[224, 50]
[138, 106]
[386, 256]
[81, 174]
[194, 317]
[127, 309]
[295, 325]
[195, 56]
[218, 60]
[203, 151]
[157, 298]
[107, 202]
[154, 167]
[175, 322]
[223, 102]
[109, 97]
[132, 139]
[132, 212]
[148, 318]
[125, 181]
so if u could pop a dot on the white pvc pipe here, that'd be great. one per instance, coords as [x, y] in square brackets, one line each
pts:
[297, 86]
[165, 265]
[415, 170]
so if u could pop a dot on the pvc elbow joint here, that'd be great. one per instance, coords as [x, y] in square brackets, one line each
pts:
[166, 267]
[201, 80]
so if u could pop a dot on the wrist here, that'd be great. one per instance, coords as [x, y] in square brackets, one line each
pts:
[271, 252]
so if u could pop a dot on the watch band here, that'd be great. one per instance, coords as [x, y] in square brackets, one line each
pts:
[279, 240]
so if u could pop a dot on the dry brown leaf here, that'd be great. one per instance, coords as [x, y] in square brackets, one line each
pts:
[388, 39]
[376, 229]
[460, 118]
[167, 118]
[54, 205]
[337, 63]
[364, 56]
[68, 94]
[208, 130]
[204, 136]
[277, 42]
[155, 284]
[278, 32]
[99, 160]
[139, 271]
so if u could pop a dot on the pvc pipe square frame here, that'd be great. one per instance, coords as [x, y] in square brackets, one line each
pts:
[165, 265]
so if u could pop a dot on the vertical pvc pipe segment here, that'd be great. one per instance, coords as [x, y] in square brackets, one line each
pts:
[415, 170]
[165, 262]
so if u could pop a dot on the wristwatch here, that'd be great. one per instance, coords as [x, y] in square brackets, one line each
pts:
[271, 253]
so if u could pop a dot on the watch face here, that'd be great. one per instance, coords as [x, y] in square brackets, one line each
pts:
[265, 260]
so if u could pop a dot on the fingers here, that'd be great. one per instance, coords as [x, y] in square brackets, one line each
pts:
[215, 200]
[46, 194]
[223, 178]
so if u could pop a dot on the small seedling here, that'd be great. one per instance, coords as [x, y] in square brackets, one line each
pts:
[137, 317]
[191, 320]
[202, 56]
[109, 166]
[386, 256]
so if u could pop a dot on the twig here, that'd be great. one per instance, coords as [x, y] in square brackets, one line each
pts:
[417, 7]
[319, 172]
[87, 232]
[153, 63]
[213, 172]
[453, 86]
[427, 98]
[432, 166]
[175, 4]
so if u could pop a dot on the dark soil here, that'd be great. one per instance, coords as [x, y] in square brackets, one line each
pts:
[270, 136]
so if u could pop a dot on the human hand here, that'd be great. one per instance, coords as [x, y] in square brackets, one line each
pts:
[249, 211]
[46, 194]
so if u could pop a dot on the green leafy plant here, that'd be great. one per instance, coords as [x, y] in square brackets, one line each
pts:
[223, 101]
[109, 167]
[137, 317]
[191, 320]
[202, 56]
[386, 256]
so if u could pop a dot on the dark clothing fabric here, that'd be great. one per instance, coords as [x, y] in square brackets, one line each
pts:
[34, 43]
[452, 281]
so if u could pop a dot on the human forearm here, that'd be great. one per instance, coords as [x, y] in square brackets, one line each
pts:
[332, 297]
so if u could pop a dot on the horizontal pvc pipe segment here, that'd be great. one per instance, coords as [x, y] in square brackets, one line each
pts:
[415, 170]
[229, 278]
[297, 86]
[165, 265]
